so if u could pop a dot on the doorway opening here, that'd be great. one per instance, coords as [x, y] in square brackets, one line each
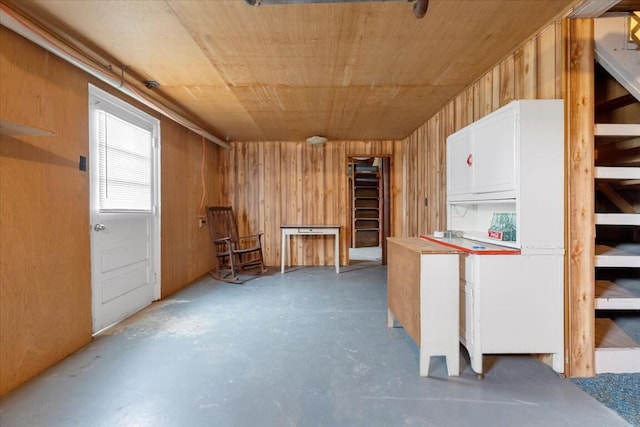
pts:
[368, 209]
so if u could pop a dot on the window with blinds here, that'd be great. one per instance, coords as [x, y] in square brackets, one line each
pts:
[125, 157]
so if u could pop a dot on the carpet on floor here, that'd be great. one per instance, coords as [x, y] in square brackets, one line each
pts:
[620, 392]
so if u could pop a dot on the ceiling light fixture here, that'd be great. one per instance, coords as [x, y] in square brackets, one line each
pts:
[150, 84]
[419, 6]
[313, 140]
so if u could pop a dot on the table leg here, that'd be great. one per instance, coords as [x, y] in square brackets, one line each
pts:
[337, 251]
[391, 320]
[283, 250]
[424, 361]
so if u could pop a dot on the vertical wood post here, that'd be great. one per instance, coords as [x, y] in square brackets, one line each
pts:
[580, 223]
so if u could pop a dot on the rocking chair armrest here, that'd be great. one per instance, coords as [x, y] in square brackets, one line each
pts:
[250, 236]
[223, 240]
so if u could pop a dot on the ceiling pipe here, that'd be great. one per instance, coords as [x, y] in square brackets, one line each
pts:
[14, 22]
[282, 2]
[419, 6]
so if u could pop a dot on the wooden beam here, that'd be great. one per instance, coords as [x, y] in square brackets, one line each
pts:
[579, 98]
[616, 198]
[615, 103]
[623, 153]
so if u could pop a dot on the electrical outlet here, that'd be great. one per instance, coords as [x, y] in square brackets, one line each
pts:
[201, 222]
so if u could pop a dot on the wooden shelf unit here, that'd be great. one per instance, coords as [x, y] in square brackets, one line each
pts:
[615, 351]
[366, 206]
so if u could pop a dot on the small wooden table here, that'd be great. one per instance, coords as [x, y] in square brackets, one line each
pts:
[309, 230]
[422, 295]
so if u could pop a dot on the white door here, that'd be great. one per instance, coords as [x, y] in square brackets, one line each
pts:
[125, 251]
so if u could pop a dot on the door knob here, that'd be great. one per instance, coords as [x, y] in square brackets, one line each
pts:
[99, 227]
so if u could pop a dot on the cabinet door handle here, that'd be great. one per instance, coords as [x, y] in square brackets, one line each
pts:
[469, 160]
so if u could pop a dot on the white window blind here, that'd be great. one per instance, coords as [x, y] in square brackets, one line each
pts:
[125, 155]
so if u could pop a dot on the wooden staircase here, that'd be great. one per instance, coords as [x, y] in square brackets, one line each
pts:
[617, 221]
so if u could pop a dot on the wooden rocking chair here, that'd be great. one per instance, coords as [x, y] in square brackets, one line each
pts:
[232, 253]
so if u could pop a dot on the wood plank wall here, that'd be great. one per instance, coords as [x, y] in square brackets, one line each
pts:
[534, 70]
[186, 252]
[274, 183]
[45, 283]
[45, 298]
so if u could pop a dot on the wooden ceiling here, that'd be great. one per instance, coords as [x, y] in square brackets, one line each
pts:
[347, 71]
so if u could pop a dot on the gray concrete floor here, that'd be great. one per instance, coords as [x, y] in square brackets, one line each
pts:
[371, 255]
[307, 348]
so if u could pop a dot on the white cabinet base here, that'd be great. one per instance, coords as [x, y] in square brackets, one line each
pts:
[513, 304]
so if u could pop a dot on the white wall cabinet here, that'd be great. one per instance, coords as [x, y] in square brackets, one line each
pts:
[512, 160]
[494, 143]
[474, 154]
[519, 171]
